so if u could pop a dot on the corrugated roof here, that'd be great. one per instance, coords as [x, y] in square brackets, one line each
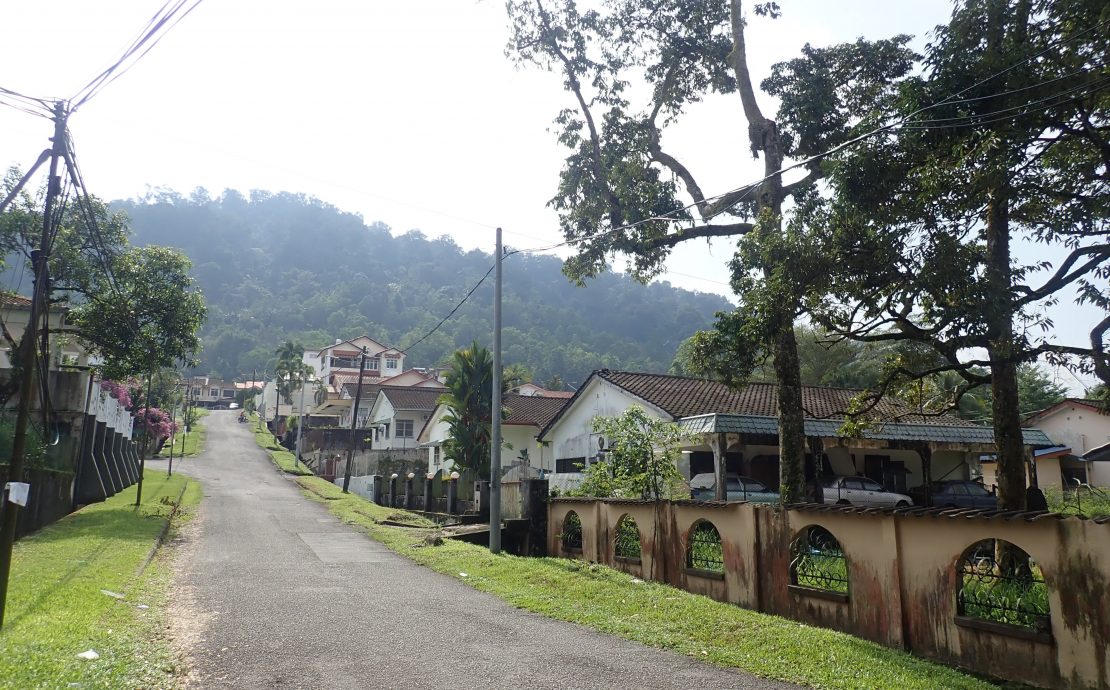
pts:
[682, 396]
[10, 299]
[827, 428]
[531, 409]
[412, 398]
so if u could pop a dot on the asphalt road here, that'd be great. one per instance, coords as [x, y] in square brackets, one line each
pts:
[273, 592]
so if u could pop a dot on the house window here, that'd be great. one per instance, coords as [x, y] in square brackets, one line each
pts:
[390, 363]
[569, 464]
[374, 363]
[229, 393]
[196, 392]
[404, 428]
[437, 458]
[214, 393]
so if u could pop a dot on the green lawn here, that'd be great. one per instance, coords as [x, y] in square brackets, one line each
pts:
[281, 456]
[651, 613]
[56, 609]
[193, 441]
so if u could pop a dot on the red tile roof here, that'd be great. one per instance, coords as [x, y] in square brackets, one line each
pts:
[10, 299]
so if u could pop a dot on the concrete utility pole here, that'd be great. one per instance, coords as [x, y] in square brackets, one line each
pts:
[146, 438]
[173, 432]
[495, 413]
[27, 357]
[354, 424]
[300, 426]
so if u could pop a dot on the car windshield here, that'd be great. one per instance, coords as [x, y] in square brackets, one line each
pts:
[977, 490]
[753, 486]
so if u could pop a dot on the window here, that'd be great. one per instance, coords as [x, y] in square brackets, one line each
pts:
[390, 363]
[196, 392]
[214, 393]
[703, 548]
[869, 485]
[817, 561]
[404, 428]
[345, 362]
[374, 363]
[569, 464]
[229, 393]
[437, 456]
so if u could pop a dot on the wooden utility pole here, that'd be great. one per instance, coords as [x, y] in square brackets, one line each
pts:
[27, 354]
[354, 424]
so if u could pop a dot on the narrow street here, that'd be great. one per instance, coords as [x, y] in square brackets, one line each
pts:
[273, 591]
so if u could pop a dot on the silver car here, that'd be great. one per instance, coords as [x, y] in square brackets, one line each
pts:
[703, 488]
[861, 491]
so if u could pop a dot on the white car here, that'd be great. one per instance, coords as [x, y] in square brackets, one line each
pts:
[861, 491]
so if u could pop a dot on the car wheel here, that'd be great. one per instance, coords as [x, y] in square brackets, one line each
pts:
[901, 504]
[843, 502]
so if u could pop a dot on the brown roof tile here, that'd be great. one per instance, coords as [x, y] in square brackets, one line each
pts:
[532, 410]
[412, 398]
[681, 396]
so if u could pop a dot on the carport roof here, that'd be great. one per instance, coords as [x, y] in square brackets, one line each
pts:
[828, 428]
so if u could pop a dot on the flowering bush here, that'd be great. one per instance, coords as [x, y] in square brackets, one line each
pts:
[157, 421]
[119, 391]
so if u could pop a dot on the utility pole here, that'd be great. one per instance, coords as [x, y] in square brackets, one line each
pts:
[300, 423]
[354, 424]
[27, 354]
[495, 413]
[173, 432]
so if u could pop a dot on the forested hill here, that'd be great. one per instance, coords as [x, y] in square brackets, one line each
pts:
[285, 266]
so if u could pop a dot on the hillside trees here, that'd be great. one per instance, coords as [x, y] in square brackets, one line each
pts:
[1005, 140]
[619, 190]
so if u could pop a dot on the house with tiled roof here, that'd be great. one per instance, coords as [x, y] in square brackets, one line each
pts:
[1078, 426]
[397, 413]
[523, 455]
[342, 359]
[900, 448]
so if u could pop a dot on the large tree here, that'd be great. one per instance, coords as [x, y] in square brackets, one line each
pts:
[623, 191]
[1003, 138]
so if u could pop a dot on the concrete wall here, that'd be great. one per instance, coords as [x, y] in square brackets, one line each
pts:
[903, 577]
[1076, 426]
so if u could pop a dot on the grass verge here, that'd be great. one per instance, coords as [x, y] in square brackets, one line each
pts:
[191, 443]
[57, 609]
[1085, 503]
[651, 613]
[285, 460]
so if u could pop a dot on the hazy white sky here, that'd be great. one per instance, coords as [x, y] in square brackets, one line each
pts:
[405, 112]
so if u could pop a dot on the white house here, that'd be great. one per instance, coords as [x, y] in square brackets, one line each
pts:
[339, 363]
[522, 453]
[206, 391]
[398, 413]
[413, 378]
[738, 428]
[1079, 427]
[65, 349]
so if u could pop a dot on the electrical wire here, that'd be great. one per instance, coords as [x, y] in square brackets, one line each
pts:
[452, 312]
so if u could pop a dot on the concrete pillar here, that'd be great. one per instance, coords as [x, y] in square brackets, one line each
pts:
[719, 444]
[89, 485]
[410, 497]
[376, 491]
[392, 490]
[428, 493]
[481, 495]
[104, 458]
[453, 496]
[533, 494]
[119, 449]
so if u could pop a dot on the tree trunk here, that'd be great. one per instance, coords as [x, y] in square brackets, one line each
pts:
[1005, 410]
[792, 447]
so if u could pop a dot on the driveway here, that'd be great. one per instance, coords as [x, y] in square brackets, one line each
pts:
[272, 591]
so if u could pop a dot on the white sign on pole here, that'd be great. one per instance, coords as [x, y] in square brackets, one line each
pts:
[18, 492]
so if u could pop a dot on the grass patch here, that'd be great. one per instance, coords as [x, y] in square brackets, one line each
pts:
[192, 443]
[1085, 503]
[284, 458]
[56, 609]
[650, 613]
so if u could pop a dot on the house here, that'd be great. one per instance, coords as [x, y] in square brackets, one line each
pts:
[1097, 461]
[1077, 423]
[347, 386]
[398, 413]
[63, 351]
[343, 359]
[210, 392]
[899, 449]
[532, 390]
[522, 454]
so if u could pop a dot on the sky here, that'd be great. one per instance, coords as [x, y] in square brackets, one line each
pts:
[408, 113]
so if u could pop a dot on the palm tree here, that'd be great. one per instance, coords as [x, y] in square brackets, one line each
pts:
[290, 369]
[469, 403]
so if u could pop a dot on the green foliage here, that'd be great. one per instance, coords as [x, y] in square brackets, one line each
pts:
[469, 417]
[290, 369]
[267, 280]
[146, 317]
[641, 462]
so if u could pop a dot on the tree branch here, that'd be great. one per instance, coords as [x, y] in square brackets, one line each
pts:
[676, 238]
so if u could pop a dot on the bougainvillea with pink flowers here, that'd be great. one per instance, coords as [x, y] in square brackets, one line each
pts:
[157, 420]
[119, 391]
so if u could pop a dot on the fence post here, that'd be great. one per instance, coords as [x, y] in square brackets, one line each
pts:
[409, 497]
[481, 494]
[453, 494]
[428, 492]
[392, 490]
[533, 498]
[376, 488]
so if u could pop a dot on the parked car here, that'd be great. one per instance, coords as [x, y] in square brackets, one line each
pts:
[962, 493]
[703, 488]
[861, 491]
